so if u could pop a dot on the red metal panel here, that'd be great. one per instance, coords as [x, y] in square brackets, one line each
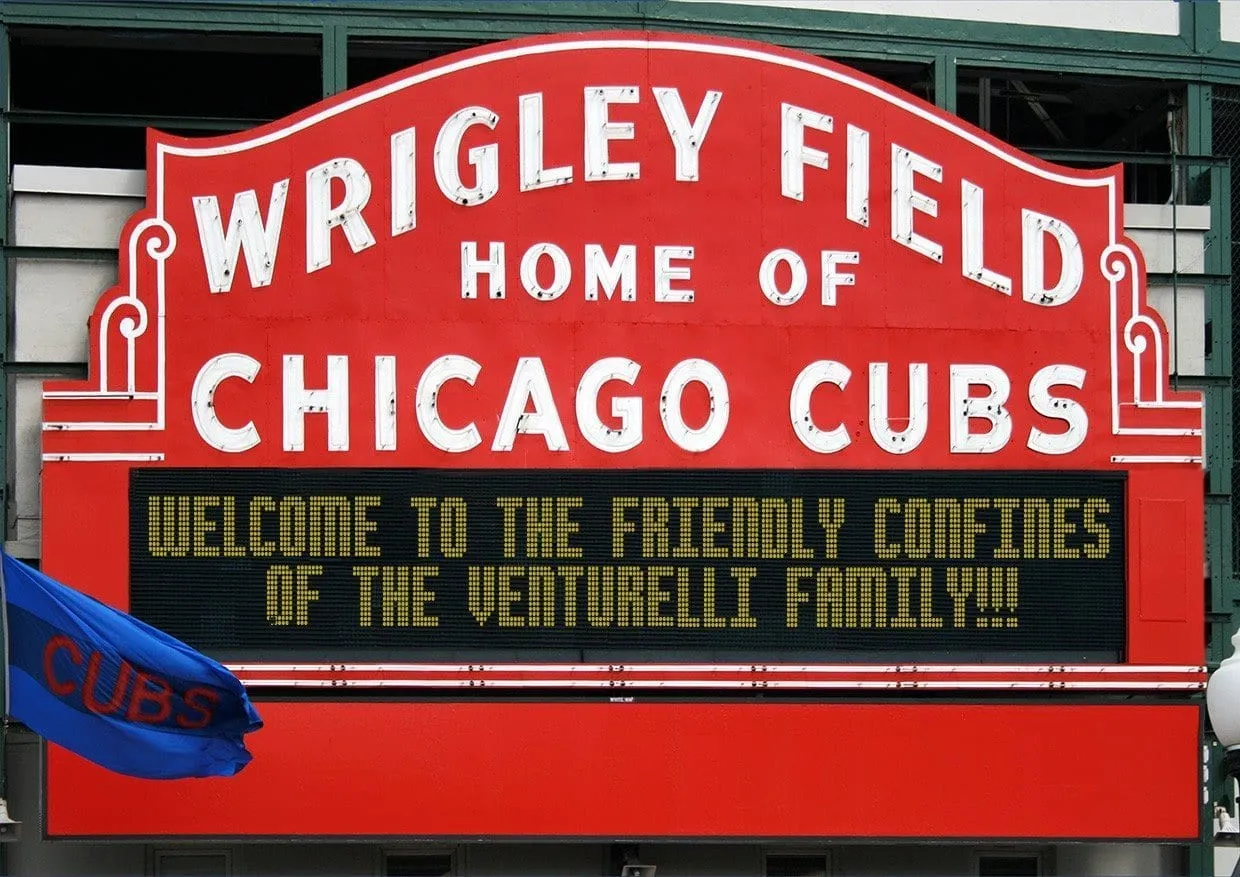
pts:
[1162, 528]
[672, 770]
[1166, 534]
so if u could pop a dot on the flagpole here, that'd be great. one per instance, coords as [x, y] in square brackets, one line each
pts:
[4, 636]
[9, 827]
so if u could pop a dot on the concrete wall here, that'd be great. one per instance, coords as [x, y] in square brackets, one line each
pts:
[77, 210]
[1229, 20]
[1183, 305]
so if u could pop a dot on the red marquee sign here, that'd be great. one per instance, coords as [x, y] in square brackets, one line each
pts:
[713, 365]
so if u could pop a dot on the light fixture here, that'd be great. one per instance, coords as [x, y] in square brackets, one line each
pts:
[1223, 700]
[10, 828]
[626, 862]
[1223, 705]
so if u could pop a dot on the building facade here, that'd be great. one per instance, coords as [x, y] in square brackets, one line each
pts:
[160, 458]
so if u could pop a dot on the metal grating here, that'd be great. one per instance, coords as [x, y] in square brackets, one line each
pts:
[1226, 143]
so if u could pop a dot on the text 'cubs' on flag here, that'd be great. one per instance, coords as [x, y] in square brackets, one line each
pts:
[115, 690]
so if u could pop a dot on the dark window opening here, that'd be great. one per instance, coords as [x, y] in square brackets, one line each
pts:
[1008, 866]
[1061, 112]
[812, 865]
[181, 863]
[78, 145]
[1065, 111]
[916, 79]
[419, 865]
[163, 73]
[112, 146]
[124, 79]
[1143, 183]
[374, 59]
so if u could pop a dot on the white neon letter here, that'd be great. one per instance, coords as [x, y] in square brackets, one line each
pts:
[858, 189]
[989, 407]
[600, 130]
[485, 159]
[533, 174]
[795, 154]
[1036, 226]
[708, 434]
[562, 272]
[322, 217]
[907, 439]
[472, 266]
[385, 403]
[665, 272]
[332, 401]
[426, 403]
[973, 258]
[687, 138]
[770, 286]
[529, 384]
[820, 441]
[246, 231]
[621, 272]
[905, 166]
[626, 409]
[832, 279]
[214, 372]
[404, 181]
[1062, 408]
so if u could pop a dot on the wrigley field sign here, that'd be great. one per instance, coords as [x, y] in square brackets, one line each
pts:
[625, 348]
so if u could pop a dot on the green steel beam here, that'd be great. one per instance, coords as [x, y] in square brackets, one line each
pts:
[1201, 383]
[5, 296]
[1199, 115]
[834, 34]
[68, 370]
[1218, 422]
[1218, 412]
[1193, 277]
[4, 142]
[939, 31]
[335, 59]
[1201, 854]
[1200, 26]
[242, 18]
[1224, 587]
[116, 120]
[67, 254]
[1190, 159]
[945, 82]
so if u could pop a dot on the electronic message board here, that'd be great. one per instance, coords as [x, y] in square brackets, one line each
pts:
[339, 563]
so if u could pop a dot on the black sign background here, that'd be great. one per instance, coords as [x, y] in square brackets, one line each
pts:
[1061, 609]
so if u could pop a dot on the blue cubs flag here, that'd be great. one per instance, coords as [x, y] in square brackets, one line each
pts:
[115, 690]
